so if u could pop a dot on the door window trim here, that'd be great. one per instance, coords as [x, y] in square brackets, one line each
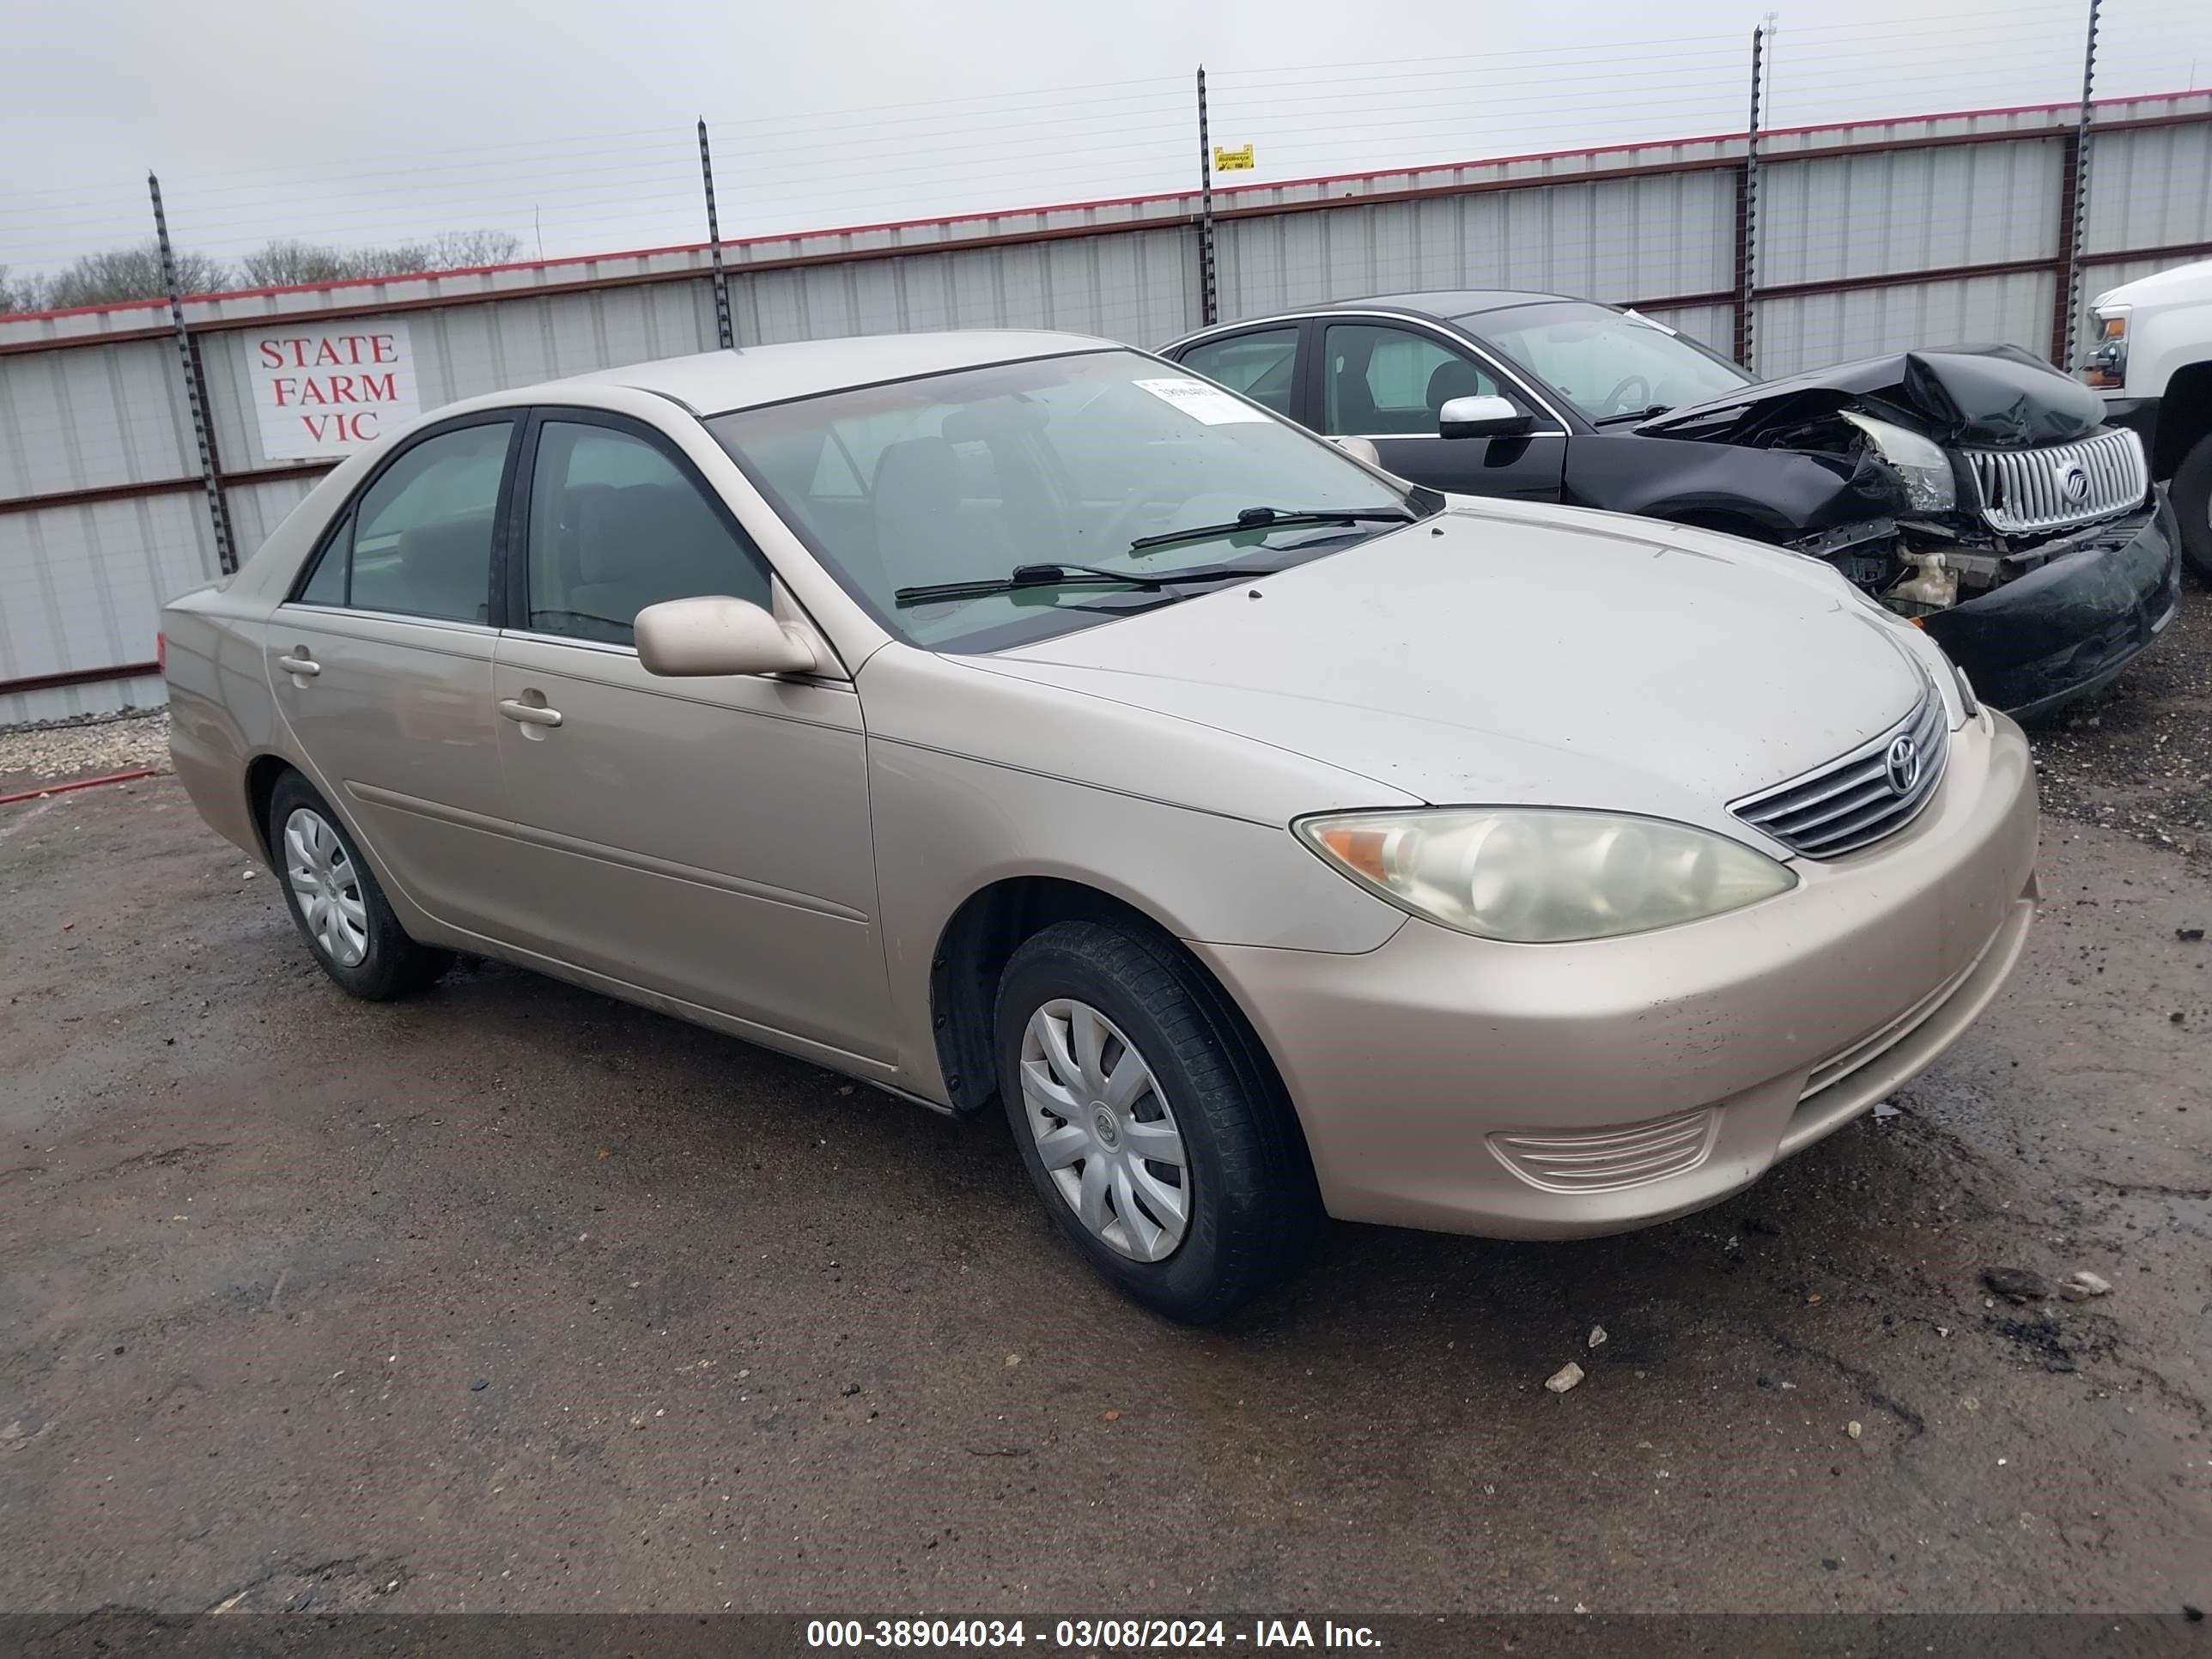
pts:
[1318, 322]
[516, 419]
[514, 577]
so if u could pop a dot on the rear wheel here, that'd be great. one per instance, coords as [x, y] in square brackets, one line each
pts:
[1154, 1132]
[333, 897]
[2192, 490]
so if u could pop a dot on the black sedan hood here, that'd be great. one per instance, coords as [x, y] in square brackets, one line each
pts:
[1987, 395]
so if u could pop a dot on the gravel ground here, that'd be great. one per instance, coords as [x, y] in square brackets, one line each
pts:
[57, 752]
[2138, 758]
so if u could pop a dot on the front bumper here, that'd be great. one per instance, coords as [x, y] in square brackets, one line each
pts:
[1534, 1091]
[2068, 628]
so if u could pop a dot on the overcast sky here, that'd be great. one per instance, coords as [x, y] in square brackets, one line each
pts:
[572, 122]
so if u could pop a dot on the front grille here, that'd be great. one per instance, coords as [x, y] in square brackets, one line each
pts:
[1605, 1160]
[2035, 489]
[1855, 801]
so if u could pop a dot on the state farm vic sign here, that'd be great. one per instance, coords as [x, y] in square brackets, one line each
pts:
[330, 389]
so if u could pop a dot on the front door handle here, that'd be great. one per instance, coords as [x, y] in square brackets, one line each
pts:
[304, 666]
[529, 713]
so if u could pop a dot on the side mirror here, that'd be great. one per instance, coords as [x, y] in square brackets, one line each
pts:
[1481, 417]
[690, 639]
[1359, 449]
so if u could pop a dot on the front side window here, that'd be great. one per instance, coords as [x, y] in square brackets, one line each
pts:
[1609, 365]
[1391, 382]
[1261, 366]
[616, 525]
[973, 476]
[418, 541]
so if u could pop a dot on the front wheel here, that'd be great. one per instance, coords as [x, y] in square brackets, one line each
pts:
[2192, 490]
[1154, 1132]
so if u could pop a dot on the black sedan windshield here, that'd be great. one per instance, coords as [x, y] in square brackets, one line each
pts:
[1606, 363]
[1103, 462]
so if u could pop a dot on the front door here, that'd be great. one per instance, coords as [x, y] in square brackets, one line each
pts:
[706, 839]
[1386, 384]
[381, 662]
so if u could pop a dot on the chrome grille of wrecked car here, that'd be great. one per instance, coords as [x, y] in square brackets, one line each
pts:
[1873, 791]
[2033, 490]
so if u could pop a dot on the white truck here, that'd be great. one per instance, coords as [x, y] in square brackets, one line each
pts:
[2151, 357]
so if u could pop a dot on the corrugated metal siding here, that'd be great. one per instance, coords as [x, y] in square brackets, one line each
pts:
[2150, 187]
[1805, 331]
[1930, 209]
[79, 420]
[1139, 287]
[1624, 239]
[83, 588]
[64, 702]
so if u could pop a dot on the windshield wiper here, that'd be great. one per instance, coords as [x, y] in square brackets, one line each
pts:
[1632, 415]
[1271, 518]
[1061, 575]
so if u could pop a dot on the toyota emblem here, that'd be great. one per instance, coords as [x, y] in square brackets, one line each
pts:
[1903, 765]
[2075, 483]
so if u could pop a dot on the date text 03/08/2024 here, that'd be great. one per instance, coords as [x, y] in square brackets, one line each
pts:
[1114, 1634]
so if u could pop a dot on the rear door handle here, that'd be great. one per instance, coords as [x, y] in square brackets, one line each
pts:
[529, 713]
[303, 666]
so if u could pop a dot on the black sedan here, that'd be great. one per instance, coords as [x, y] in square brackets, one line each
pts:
[1974, 487]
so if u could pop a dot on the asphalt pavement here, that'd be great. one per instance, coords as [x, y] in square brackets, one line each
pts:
[512, 1297]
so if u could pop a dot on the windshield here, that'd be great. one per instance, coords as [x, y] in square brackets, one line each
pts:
[1607, 364]
[968, 477]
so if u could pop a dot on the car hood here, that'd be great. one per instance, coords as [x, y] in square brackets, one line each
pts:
[1517, 653]
[1986, 397]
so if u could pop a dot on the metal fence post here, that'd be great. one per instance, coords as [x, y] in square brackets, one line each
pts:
[1208, 303]
[2076, 215]
[714, 242]
[1747, 216]
[188, 356]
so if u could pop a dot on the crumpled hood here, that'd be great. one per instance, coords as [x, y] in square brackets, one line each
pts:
[1985, 397]
[1509, 652]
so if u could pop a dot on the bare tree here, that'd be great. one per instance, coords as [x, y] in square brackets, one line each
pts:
[114, 275]
[131, 273]
[22, 294]
[288, 262]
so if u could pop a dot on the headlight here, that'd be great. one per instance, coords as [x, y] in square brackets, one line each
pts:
[2107, 366]
[1536, 875]
[1925, 467]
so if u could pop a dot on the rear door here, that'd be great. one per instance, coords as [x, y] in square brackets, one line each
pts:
[707, 839]
[380, 661]
[1386, 382]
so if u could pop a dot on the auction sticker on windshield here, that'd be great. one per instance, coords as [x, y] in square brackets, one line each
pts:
[1201, 402]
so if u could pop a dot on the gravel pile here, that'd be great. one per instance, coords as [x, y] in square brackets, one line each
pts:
[87, 747]
[2139, 757]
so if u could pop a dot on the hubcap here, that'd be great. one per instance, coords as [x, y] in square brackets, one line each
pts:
[1104, 1130]
[327, 886]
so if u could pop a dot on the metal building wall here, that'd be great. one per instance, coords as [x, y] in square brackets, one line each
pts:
[1872, 237]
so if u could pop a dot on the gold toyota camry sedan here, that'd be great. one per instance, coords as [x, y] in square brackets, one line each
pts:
[1012, 718]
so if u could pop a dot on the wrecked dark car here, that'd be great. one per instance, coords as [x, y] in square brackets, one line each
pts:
[1973, 489]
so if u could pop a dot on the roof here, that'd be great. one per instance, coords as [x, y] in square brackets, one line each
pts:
[1453, 302]
[715, 382]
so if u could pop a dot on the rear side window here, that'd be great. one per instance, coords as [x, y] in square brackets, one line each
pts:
[1260, 365]
[418, 541]
[616, 525]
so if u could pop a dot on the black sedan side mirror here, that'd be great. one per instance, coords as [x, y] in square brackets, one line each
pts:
[1481, 417]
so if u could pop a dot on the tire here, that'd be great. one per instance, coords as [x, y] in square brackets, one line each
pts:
[1245, 1186]
[360, 944]
[2192, 490]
